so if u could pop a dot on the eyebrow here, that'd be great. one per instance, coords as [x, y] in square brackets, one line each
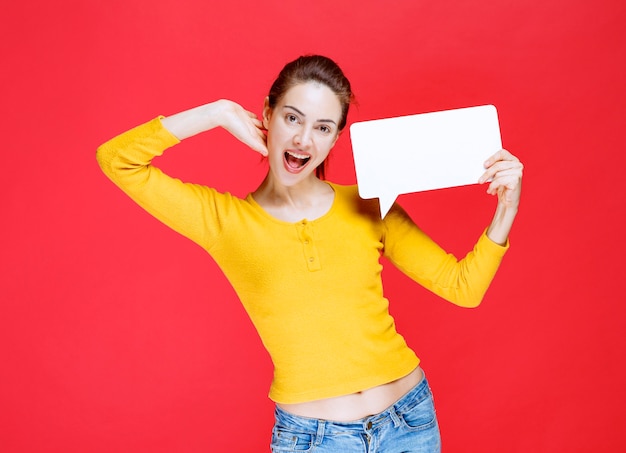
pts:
[303, 114]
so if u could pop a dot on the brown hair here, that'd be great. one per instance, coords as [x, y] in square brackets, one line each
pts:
[314, 68]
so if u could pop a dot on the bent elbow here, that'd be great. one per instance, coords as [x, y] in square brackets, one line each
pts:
[101, 157]
[108, 161]
[473, 303]
[468, 299]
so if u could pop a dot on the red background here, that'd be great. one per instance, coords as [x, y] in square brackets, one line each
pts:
[118, 335]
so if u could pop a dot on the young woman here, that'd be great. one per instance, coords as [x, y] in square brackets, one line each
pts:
[303, 255]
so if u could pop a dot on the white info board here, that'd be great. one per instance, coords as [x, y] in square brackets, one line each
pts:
[422, 152]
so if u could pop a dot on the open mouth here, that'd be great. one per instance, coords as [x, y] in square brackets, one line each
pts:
[295, 160]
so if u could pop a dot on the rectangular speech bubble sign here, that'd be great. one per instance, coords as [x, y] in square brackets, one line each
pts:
[422, 152]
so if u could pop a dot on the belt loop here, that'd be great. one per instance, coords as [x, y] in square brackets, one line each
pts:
[395, 417]
[319, 437]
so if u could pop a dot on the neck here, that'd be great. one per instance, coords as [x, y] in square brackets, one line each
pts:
[300, 195]
[308, 199]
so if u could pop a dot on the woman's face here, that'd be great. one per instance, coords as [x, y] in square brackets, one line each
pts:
[301, 130]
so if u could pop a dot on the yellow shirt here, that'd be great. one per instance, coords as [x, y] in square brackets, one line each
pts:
[313, 288]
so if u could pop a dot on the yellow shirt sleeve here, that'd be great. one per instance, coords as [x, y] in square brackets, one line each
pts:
[462, 282]
[190, 209]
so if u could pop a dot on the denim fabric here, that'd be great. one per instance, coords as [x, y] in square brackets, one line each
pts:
[409, 426]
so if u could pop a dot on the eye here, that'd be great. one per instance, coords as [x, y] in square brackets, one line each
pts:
[325, 129]
[291, 118]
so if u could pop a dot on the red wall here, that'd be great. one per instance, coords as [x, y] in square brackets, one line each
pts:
[118, 335]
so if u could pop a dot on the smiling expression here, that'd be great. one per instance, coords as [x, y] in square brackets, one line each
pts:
[302, 130]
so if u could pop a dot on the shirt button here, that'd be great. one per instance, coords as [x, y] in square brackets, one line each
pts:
[306, 242]
[311, 259]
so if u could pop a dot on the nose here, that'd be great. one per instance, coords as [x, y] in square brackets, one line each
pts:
[303, 138]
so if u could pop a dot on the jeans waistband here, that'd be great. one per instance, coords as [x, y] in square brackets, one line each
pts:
[313, 425]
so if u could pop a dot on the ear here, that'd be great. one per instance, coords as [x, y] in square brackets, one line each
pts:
[267, 112]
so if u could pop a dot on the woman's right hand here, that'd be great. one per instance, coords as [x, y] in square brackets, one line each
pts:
[243, 125]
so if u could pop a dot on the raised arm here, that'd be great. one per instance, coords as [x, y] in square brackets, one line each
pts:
[190, 209]
[463, 282]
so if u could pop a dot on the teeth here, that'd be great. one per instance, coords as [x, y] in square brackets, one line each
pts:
[297, 155]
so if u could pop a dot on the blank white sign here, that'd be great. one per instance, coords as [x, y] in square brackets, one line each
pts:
[423, 152]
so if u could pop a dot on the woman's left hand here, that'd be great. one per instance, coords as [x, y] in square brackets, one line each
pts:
[504, 173]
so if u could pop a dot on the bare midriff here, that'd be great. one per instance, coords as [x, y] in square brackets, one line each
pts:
[358, 405]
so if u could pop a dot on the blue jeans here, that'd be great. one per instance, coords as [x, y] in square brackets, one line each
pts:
[409, 425]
